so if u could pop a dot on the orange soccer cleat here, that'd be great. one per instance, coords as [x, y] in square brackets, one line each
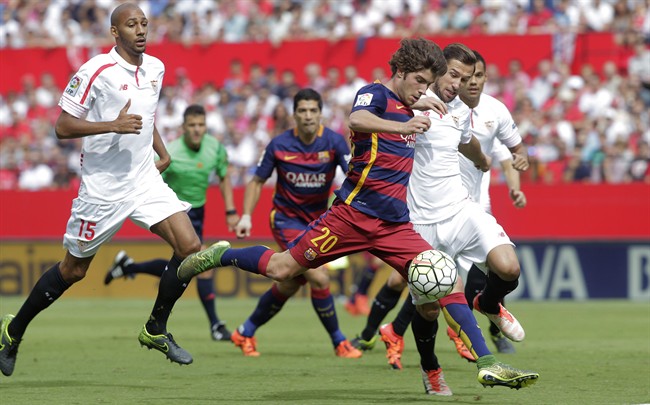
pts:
[346, 350]
[394, 345]
[248, 345]
[462, 350]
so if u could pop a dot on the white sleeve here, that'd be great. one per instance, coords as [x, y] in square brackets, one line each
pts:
[77, 97]
[507, 132]
[500, 152]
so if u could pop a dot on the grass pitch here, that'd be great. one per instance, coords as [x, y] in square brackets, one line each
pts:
[85, 351]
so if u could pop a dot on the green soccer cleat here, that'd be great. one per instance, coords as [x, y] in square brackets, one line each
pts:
[507, 376]
[165, 344]
[204, 260]
[8, 347]
[364, 345]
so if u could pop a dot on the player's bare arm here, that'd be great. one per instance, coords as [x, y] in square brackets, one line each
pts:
[251, 197]
[473, 152]
[225, 186]
[430, 103]
[519, 157]
[159, 147]
[514, 186]
[365, 121]
[68, 126]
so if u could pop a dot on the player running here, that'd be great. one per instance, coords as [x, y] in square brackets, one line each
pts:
[305, 159]
[111, 103]
[195, 157]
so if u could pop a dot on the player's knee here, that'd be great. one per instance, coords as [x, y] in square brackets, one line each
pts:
[429, 311]
[509, 271]
[288, 288]
[396, 281]
[186, 249]
[318, 278]
[73, 274]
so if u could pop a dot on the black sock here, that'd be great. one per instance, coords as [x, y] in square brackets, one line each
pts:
[494, 291]
[170, 290]
[474, 284]
[385, 300]
[48, 289]
[425, 339]
[404, 317]
[154, 267]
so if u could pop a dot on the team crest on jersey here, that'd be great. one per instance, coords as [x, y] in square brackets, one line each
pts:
[154, 86]
[488, 124]
[73, 86]
[82, 245]
[363, 99]
[324, 156]
[456, 120]
[310, 254]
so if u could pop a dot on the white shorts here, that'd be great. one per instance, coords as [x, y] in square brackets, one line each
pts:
[91, 225]
[468, 237]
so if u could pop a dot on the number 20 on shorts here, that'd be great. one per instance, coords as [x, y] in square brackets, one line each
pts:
[326, 241]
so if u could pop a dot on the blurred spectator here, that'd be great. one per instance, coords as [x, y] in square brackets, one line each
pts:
[35, 173]
[592, 127]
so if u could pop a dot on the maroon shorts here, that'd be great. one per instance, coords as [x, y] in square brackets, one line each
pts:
[343, 230]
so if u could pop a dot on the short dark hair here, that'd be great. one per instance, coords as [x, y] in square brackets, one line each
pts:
[193, 109]
[459, 52]
[479, 57]
[307, 94]
[415, 54]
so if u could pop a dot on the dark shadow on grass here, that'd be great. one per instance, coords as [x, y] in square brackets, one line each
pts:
[64, 384]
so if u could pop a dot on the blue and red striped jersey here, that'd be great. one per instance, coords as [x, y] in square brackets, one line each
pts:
[381, 163]
[305, 172]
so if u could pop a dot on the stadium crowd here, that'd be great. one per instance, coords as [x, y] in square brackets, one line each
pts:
[588, 127]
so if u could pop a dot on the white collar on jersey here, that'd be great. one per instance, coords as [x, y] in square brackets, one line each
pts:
[122, 62]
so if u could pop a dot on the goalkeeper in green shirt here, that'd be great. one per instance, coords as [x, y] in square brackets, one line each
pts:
[194, 157]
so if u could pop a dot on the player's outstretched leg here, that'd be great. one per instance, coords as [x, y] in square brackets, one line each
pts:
[165, 344]
[202, 261]
[503, 375]
[8, 347]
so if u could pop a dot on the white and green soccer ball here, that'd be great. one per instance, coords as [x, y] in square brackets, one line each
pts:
[432, 274]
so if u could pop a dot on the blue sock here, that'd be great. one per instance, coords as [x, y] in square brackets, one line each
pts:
[461, 320]
[247, 259]
[205, 289]
[270, 303]
[323, 304]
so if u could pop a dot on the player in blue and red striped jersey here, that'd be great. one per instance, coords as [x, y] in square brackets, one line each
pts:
[305, 158]
[370, 212]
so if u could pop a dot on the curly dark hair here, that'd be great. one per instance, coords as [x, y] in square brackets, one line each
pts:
[415, 54]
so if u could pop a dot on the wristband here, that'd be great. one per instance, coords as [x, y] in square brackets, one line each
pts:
[231, 212]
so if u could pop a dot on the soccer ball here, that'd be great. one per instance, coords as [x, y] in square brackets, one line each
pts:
[432, 274]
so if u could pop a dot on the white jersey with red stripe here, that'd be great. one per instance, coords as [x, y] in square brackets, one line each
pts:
[436, 190]
[490, 120]
[115, 167]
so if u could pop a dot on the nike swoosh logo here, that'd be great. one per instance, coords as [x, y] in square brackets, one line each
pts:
[162, 347]
[290, 157]
[399, 107]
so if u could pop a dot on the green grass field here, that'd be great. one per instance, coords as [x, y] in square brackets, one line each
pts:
[85, 351]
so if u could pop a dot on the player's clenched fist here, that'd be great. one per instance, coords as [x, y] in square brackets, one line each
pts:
[126, 123]
[243, 228]
[416, 125]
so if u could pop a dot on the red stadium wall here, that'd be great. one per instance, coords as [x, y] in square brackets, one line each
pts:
[210, 63]
[563, 212]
